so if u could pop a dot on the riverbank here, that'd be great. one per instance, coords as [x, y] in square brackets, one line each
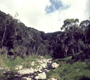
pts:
[67, 70]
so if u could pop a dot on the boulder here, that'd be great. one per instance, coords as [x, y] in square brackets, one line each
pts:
[7, 69]
[44, 65]
[37, 77]
[55, 65]
[41, 76]
[27, 78]
[39, 68]
[33, 63]
[42, 57]
[1, 67]
[18, 67]
[52, 79]
[26, 71]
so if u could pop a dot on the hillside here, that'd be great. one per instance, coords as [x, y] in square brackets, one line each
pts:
[69, 48]
[19, 40]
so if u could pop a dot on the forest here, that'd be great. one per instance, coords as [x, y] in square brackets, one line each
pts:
[16, 39]
[69, 48]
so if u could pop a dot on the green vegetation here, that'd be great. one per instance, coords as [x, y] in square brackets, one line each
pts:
[47, 56]
[20, 45]
[16, 39]
[76, 71]
[9, 63]
[68, 69]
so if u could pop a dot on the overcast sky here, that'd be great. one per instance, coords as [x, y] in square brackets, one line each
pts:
[46, 15]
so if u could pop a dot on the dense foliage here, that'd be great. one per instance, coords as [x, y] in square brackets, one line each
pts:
[16, 39]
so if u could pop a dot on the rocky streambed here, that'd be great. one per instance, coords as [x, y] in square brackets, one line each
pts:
[37, 73]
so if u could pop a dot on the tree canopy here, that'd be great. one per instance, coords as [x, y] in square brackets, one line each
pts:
[19, 40]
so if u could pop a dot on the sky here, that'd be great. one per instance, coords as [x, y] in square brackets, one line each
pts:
[46, 15]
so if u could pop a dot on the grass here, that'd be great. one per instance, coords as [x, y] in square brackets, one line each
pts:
[53, 74]
[47, 56]
[26, 62]
[11, 64]
[68, 69]
[74, 71]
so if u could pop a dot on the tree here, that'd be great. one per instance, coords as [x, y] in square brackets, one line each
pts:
[11, 32]
[6, 22]
[70, 41]
[84, 25]
[68, 23]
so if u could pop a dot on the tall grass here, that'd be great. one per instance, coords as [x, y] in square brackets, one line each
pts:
[67, 71]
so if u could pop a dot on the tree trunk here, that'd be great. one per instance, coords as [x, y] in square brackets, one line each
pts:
[5, 24]
[66, 53]
[79, 47]
[3, 36]
[73, 52]
[66, 49]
